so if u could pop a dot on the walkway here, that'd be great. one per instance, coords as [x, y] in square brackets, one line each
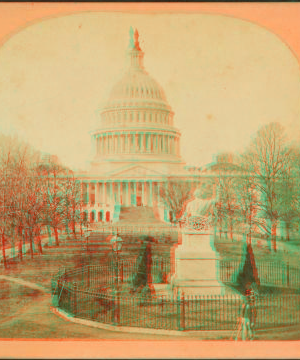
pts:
[25, 283]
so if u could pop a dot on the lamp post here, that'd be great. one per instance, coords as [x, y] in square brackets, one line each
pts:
[116, 243]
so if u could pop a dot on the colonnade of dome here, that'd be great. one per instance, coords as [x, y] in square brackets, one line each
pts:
[141, 142]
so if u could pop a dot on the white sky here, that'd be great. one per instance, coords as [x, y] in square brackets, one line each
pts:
[223, 77]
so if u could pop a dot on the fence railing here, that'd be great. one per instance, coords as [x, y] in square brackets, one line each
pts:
[134, 229]
[269, 273]
[95, 292]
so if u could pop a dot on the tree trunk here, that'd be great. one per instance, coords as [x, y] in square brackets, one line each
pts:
[30, 243]
[273, 235]
[49, 234]
[13, 249]
[231, 233]
[20, 248]
[40, 245]
[287, 227]
[74, 229]
[56, 236]
[3, 252]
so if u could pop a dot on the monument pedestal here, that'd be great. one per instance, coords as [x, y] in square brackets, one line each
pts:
[197, 265]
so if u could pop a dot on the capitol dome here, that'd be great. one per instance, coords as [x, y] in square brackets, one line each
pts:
[137, 85]
[136, 122]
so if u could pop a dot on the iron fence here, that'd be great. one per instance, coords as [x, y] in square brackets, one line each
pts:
[269, 273]
[91, 293]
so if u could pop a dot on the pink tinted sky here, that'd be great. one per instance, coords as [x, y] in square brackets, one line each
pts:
[281, 18]
[211, 86]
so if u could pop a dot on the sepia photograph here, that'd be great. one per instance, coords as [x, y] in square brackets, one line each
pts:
[149, 179]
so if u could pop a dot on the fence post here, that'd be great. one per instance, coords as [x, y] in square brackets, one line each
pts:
[121, 272]
[178, 311]
[288, 274]
[74, 299]
[182, 312]
[116, 310]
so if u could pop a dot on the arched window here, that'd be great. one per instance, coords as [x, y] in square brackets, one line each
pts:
[92, 216]
[85, 216]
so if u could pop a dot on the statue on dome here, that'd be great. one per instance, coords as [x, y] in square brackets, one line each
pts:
[134, 39]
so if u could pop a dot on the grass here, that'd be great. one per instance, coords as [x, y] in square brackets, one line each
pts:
[17, 322]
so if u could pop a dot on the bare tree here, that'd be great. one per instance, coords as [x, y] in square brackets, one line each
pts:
[247, 201]
[266, 159]
[72, 203]
[289, 192]
[175, 195]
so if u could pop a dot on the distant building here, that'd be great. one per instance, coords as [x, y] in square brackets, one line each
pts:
[47, 158]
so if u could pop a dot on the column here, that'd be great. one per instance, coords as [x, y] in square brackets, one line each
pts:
[111, 193]
[158, 195]
[122, 143]
[150, 193]
[145, 200]
[81, 192]
[100, 192]
[107, 144]
[159, 144]
[144, 142]
[143, 194]
[96, 193]
[93, 144]
[127, 193]
[104, 192]
[135, 191]
[119, 193]
[87, 193]
[113, 143]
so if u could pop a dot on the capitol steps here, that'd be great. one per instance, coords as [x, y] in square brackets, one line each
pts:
[137, 215]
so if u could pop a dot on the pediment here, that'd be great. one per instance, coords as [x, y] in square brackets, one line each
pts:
[135, 171]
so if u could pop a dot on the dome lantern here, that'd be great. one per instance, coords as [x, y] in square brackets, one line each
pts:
[135, 53]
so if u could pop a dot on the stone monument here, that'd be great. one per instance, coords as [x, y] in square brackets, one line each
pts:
[195, 258]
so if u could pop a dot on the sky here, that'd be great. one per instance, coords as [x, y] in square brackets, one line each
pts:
[223, 76]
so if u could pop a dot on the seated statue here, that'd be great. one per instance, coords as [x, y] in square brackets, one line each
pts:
[199, 210]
